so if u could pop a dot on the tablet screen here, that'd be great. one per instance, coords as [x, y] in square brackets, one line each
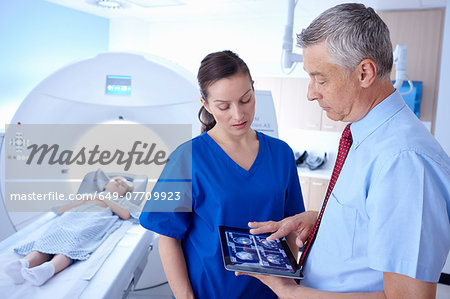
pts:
[245, 252]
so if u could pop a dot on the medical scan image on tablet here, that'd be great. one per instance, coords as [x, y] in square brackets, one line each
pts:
[249, 253]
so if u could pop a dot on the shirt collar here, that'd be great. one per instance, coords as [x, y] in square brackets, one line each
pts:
[378, 115]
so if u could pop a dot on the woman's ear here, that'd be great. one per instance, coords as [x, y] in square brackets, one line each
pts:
[205, 104]
[367, 72]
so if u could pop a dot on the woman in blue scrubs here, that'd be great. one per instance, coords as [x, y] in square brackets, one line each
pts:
[237, 175]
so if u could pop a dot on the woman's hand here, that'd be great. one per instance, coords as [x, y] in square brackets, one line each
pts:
[301, 225]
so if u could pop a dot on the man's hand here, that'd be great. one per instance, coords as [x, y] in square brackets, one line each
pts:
[279, 285]
[301, 225]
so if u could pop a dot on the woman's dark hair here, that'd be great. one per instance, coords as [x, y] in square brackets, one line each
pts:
[216, 66]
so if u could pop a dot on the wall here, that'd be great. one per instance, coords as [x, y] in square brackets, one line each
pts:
[187, 39]
[442, 126]
[38, 38]
[129, 35]
[421, 32]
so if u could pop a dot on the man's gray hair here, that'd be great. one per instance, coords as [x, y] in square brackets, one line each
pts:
[353, 33]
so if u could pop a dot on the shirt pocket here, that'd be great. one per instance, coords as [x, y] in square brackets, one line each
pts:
[337, 229]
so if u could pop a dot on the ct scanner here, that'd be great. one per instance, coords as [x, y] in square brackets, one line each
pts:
[118, 88]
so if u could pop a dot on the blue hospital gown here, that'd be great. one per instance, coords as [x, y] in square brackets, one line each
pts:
[80, 231]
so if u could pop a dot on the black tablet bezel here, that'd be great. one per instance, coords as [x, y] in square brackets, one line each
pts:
[229, 265]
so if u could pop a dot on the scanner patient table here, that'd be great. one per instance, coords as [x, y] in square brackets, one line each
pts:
[110, 272]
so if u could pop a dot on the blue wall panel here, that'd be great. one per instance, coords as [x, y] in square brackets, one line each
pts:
[36, 39]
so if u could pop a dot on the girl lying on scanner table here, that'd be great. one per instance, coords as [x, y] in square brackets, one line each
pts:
[79, 230]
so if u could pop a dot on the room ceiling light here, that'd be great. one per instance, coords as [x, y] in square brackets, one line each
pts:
[156, 3]
[111, 4]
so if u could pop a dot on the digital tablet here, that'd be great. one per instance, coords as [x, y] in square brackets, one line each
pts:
[244, 252]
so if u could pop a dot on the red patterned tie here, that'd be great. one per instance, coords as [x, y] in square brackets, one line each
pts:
[344, 146]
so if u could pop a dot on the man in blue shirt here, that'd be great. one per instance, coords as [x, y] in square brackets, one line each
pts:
[385, 231]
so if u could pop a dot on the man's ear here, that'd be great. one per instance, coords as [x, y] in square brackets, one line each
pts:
[367, 72]
[205, 104]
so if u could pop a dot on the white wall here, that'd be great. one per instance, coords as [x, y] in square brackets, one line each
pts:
[442, 128]
[257, 38]
[129, 35]
[258, 42]
[38, 38]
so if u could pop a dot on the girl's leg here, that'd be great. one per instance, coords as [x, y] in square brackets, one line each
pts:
[36, 258]
[60, 262]
[40, 274]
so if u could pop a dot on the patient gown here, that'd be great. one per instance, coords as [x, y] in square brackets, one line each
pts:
[80, 231]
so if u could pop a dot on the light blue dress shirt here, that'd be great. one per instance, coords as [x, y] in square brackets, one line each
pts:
[390, 208]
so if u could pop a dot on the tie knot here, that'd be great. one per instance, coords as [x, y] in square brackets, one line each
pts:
[347, 133]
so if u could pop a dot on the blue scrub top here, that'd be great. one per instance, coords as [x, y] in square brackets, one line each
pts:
[223, 193]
